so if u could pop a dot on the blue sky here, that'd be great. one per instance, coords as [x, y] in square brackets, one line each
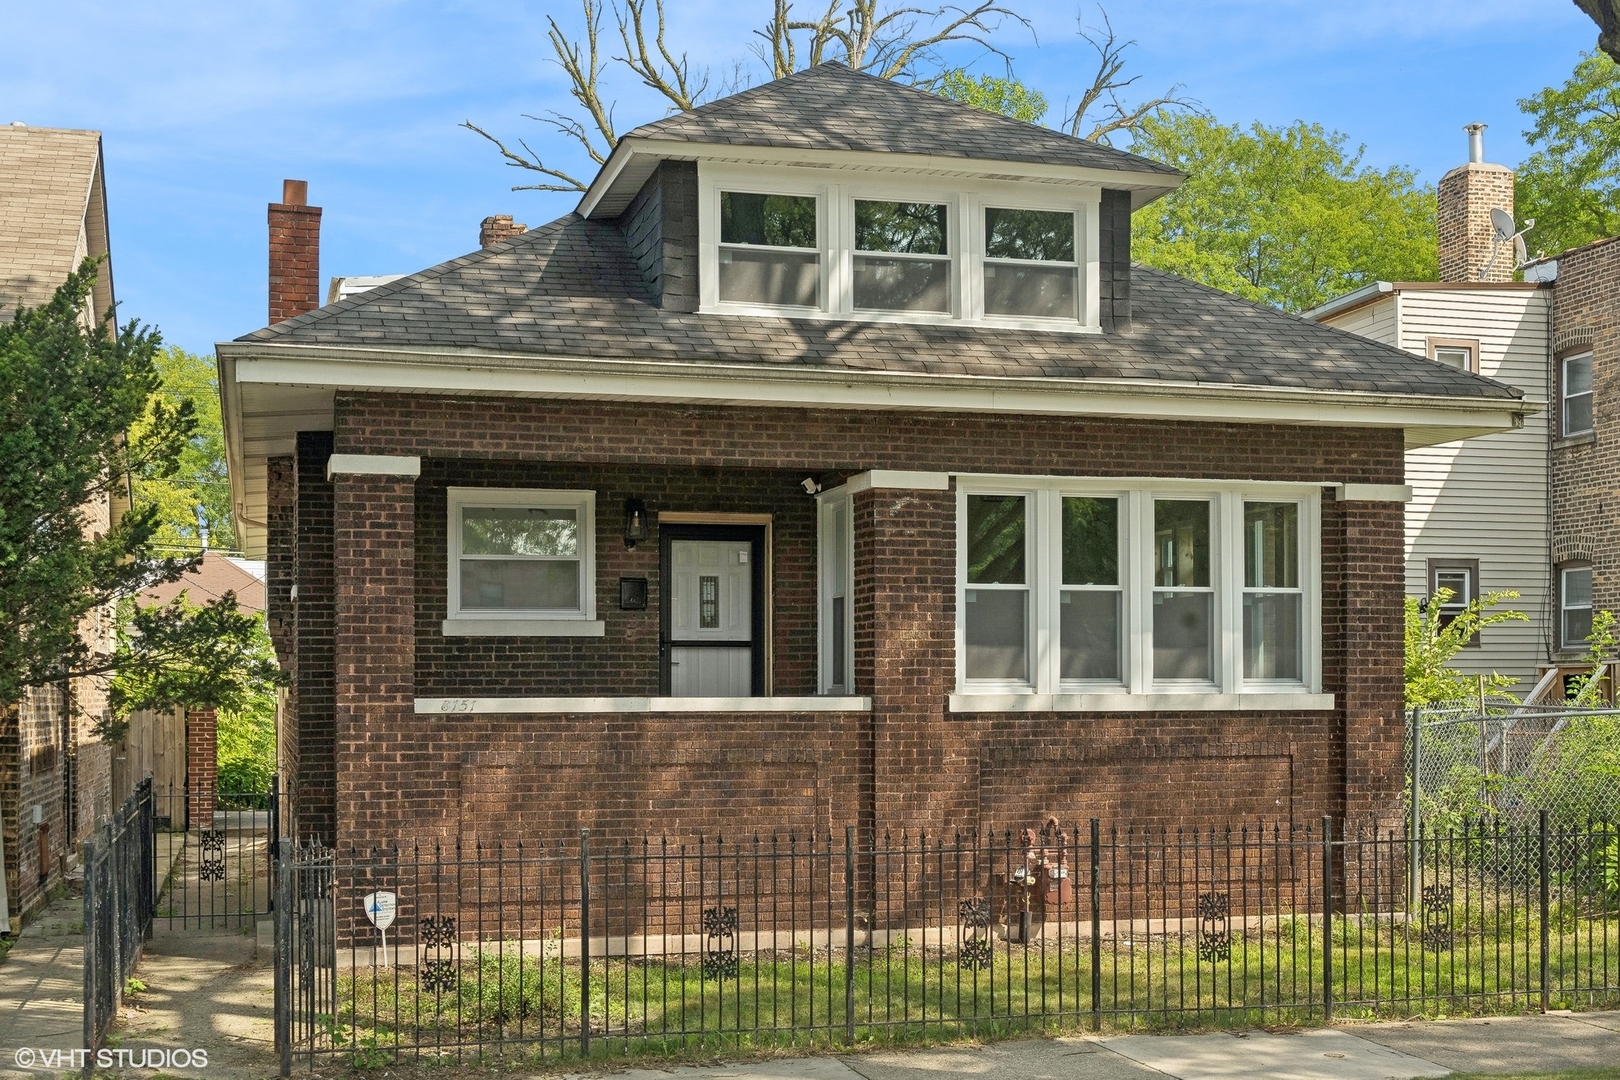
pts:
[205, 107]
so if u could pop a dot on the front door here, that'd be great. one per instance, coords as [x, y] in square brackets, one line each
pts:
[712, 645]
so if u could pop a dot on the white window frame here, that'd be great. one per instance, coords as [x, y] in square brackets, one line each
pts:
[954, 248]
[1564, 570]
[521, 623]
[1564, 395]
[830, 554]
[1137, 495]
[835, 196]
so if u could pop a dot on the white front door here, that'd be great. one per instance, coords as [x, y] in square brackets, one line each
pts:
[711, 605]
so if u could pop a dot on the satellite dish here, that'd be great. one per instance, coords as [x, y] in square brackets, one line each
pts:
[1504, 224]
[1520, 255]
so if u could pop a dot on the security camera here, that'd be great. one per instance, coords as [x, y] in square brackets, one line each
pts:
[810, 486]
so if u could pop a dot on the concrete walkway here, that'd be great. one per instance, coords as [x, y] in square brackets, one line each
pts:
[42, 981]
[1393, 1051]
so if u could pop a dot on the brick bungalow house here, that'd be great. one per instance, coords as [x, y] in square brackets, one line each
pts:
[831, 462]
[55, 775]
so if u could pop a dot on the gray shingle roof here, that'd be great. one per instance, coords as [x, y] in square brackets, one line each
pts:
[831, 107]
[570, 289]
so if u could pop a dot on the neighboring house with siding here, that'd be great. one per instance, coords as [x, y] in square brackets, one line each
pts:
[1530, 509]
[55, 784]
[1477, 522]
[831, 463]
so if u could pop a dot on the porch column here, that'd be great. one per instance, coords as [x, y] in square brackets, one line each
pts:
[1371, 525]
[905, 634]
[374, 647]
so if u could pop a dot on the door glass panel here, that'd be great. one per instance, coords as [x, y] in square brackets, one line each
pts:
[708, 603]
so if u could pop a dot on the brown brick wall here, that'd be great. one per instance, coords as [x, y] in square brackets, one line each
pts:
[1586, 469]
[202, 766]
[909, 763]
[313, 684]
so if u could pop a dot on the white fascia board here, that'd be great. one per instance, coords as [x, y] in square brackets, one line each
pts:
[1347, 301]
[1117, 179]
[719, 383]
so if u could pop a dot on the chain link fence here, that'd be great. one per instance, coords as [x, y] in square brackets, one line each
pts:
[1508, 762]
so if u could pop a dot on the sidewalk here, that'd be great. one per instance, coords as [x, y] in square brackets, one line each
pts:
[42, 981]
[1351, 1052]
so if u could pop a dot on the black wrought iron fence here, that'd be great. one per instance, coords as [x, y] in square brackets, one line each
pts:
[118, 905]
[585, 949]
[214, 855]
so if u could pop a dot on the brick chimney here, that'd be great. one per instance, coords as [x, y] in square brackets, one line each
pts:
[1468, 194]
[497, 227]
[295, 253]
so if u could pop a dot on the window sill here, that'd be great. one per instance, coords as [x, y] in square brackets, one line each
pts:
[1587, 438]
[523, 628]
[1282, 701]
[816, 703]
[987, 322]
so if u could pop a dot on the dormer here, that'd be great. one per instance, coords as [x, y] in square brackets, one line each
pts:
[831, 194]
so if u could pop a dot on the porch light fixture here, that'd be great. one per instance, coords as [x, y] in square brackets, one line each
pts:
[635, 522]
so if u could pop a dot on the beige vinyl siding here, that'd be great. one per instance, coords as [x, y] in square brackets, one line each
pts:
[1375, 320]
[1483, 498]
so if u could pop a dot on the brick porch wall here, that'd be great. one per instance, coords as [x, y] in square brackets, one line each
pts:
[910, 762]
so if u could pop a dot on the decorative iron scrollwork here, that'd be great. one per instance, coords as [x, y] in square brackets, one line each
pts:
[719, 943]
[211, 867]
[1437, 932]
[438, 976]
[973, 949]
[437, 932]
[1214, 927]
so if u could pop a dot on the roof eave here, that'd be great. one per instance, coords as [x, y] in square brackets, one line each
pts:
[634, 159]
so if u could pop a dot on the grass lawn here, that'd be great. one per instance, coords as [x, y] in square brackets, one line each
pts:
[502, 1000]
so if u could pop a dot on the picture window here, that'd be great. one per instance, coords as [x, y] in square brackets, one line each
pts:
[518, 554]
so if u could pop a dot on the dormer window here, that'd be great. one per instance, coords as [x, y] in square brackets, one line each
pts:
[768, 250]
[902, 260]
[1030, 270]
[875, 247]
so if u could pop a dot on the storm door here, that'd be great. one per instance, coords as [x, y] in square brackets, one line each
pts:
[712, 642]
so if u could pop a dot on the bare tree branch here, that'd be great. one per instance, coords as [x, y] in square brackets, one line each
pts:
[677, 85]
[890, 44]
[1109, 84]
[1606, 13]
[533, 162]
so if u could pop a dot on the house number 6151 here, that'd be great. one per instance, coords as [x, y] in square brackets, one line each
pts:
[457, 704]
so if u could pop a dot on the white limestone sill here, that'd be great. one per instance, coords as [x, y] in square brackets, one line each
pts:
[1118, 703]
[817, 703]
[465, 627]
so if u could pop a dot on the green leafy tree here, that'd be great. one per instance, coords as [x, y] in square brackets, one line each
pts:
[1288, 216]
[992, 93]
[1432, 642]
[70, 394]
[1570, 183]
[193, 503]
